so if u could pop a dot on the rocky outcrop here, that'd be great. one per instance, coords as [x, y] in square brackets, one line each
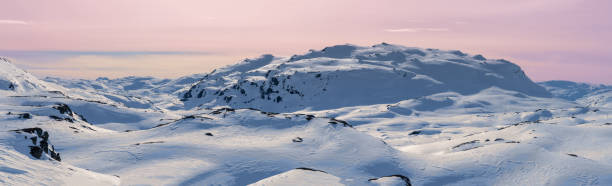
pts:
[40, 147]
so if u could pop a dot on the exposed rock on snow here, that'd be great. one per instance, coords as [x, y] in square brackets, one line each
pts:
[40, 148]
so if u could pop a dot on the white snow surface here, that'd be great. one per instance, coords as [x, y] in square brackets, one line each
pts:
[347, 115]
[297, 177]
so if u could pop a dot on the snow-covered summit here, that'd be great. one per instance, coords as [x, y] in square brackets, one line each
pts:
[14, 79]
[350, 75]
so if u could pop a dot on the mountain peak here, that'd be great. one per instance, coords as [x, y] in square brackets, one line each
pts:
[348, 75]
[16, 80]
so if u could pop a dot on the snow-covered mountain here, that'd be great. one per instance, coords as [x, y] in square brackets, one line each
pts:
[135, 92]
[17, 81]
[344, 115]
[349, 75]
[587, 94]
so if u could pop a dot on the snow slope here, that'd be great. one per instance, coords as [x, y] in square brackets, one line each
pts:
[28, 154]
[18, 169]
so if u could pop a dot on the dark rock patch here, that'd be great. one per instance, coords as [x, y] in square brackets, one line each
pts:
[270, 114]
[40, 143]
[57, 92]
[274, 81]
[202, 93]
[64, 109]
[479, 57]
[227, 99]
[188, 95]
[297, 140]
[222, 110]
[310, 169]
[336, 121]
[22, 115]
[467, 143]
[87, 127]
[404, 178]
[82, 117]
[57, 118]
[148, 142]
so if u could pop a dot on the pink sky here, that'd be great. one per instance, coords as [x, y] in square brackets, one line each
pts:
[550, 39]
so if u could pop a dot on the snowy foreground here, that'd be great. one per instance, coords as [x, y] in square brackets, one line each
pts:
[344, 115]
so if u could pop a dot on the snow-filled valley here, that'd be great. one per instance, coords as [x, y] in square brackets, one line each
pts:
[343, 115]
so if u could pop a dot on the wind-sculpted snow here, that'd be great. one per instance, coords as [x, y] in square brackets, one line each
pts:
[344, 115]
[348, 75]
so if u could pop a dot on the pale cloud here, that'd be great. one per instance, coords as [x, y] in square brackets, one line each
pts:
[418, 30]
[402, 30]
[158, 65]
[13, 22]
[435, 29]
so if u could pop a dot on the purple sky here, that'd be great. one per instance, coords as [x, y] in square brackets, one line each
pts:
[550, 39]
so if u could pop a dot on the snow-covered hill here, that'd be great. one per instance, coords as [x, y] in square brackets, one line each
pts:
[349, 75]
[345, 115]
[572, 90]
